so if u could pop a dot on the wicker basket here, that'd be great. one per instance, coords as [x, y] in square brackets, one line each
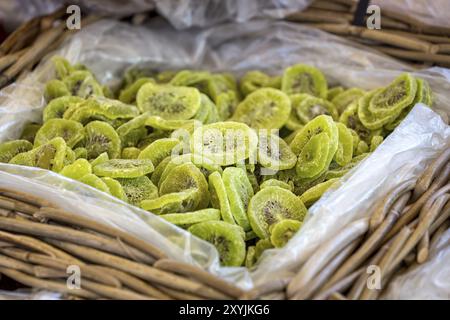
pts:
[38, 240]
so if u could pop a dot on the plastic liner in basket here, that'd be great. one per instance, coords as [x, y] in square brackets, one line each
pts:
[428, 281]
[110, 47]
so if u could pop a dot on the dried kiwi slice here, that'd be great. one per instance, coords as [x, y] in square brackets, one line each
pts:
[274, 153]
[219, 197]
[70, 131]
[57, 107]
[302, 78]
[168, 102]
[138, 189]
[395, 97]
[250, 257]
[62, 66]
[314, 194]
[123, 168]
[77, 170]
[255, 80]
[159, 150]
[226, 103]
[276, 183]
[271, 205]
[228, 240]
[54, 89]
[189, 78]
[29, 132]
[351, 119]
[333, 92]
[83, 84]
[10, 149]
[50, 156]
[101, 137]
[369, 119]
[221, 83]
[344, 153]
[100, 159]
[130, 153]
[311, 107]
[239, 191]
[225, 143]
[294, 122]
[182, 201]
[261, 246]
[159, 169]
[345, 98]
[184, 177]
[128, 95]
[375, 142]
[265, 108]
[115, 188]
[95, 182]
[316, 145]
[282, 231]
[189, 218]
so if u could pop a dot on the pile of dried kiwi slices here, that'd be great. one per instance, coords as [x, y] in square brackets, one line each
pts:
[187, 145]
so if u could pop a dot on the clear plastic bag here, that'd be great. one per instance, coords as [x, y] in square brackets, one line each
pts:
[110, 47]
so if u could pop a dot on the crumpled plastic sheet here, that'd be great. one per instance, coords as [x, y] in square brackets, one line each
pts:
[27, 294]
[429, 281]
[110, 47]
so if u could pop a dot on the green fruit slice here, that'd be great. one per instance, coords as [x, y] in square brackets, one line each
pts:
[310, 107]
[228, 240]
[302, 78]
[225, 143]
[122, 168]
[130, 153]
[375, 142]
[182, 201]
[255, 80]
[100, 159]
[184, 177]
[344, 153]
[95, 182]
[226, 103]
[62, 66]
[50, 156]
[77, 170]
[395, 97]
[159, 150]
[265, 108]
[314, 194]
[29, 132]
[261, 246]
[344, 99]
[282, 231]
[250, 258]
[115, 188]
[168, 102]
[10, 149]
[189, 218]
[369, 119]
[221, 83]
[128, 95]
[70, 131]
[239, 191]
[333, 92]
[271, 205]
[54, 89]
[159, 169]
[276, 183]
[351, 119]
[189, 78]
[219, 197]
[101, 137]
[138, 189]
[83, 84]
[57, 107]
[274, 153]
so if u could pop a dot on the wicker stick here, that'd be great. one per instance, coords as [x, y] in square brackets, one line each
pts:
[76, 220]
[331, 6]
[317, 282]
[57, 286]
[427, 206]
[415, 55]
[420, 230]
[430, 173]
[382, 209]
[445, 215]
[337, 296]
[132, 282]
[200, 275]
[359, 285]
[75, 236]
[111, 292]
[426, 37]
[148, 273]
[36, 245]
[414, 210]
[372, 243]
[340, 286]
[179, 295]
[25, 197]
[316, 15]
[326, 252]
[8, 262]
[26, 31]
[436, 236]
[10, 59]
[16, 205]
[423, 248]
[266, 288]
